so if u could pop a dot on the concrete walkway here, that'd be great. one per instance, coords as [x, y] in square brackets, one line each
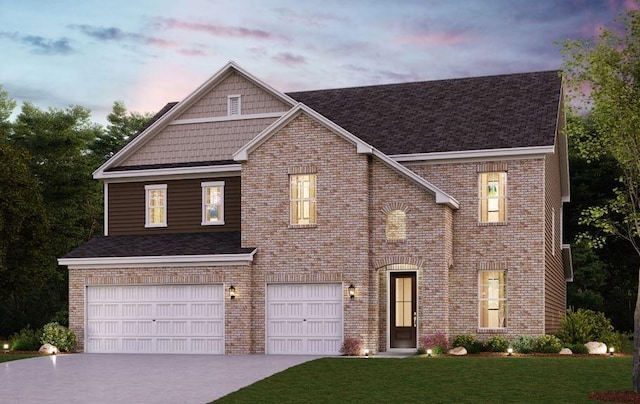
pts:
[135, 379]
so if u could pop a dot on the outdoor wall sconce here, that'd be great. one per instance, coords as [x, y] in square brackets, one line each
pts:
[611, 350]
[509, 351]
[352, 291]
[232, 292]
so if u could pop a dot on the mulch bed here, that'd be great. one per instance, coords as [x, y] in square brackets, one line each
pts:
[616, 396]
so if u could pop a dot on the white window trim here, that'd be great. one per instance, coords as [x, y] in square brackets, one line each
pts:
[230, 99]
[553, 231]
[504, 299]
[504, 198]
[204, 186]
[148, 188]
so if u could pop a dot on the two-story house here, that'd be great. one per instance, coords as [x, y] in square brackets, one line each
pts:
[247, 220]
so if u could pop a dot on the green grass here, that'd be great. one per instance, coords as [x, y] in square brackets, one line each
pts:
[15, 357]
[527, 379]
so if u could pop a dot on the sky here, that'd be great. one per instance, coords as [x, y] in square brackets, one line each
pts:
[145, 53]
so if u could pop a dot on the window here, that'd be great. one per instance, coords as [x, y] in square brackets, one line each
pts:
[492, 296]
[493, 197]
[233, 105]
[156, 202]
[396, 225]
[213, 203]
[303, 199]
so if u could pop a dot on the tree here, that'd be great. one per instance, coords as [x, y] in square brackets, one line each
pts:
[27, 269]
[603, 79]
[7, 105]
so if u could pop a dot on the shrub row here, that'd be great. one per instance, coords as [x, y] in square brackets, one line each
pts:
[52, 333]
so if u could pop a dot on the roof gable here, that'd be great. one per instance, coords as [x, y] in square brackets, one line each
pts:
[478, 113]
[194, 116]
[361, 148]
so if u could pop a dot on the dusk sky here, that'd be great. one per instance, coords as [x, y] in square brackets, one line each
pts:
[57, 53]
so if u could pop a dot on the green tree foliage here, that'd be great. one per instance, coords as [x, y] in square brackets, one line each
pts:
[27, 269]
[7, 105]
[603, 79]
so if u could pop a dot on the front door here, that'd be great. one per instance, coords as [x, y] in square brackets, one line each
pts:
[403, 309]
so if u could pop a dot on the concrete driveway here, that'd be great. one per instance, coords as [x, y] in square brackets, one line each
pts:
[123, 378]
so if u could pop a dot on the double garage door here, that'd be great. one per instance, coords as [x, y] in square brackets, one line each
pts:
[155, 319]
[301, 319]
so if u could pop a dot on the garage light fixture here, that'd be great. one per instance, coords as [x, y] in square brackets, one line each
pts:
[352, 291]
[232, 292]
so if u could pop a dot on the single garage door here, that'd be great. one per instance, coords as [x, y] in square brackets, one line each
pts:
[304, 319]
[155, 319]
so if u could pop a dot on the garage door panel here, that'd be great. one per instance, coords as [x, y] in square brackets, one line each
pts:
[159, 322]
[304, 318]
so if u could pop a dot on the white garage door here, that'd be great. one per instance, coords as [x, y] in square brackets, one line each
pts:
[304, 319]
[155, 319]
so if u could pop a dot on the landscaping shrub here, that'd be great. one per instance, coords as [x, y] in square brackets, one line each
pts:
[469, 342]
[496, 344]
[546, 344]
[351, 347]
[26, 340]
[523, 344]
[59, 336]
[578, 349]
[619, 341]
[581, 326]
[437, 342]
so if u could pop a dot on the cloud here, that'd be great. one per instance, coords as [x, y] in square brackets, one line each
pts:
[192, 52]
[116, 34]
[214, 29]
[434, 39]
[308, 19]
[289, 59]
[39, 44]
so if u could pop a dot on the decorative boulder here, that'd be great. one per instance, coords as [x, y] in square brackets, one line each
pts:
[48, 349]
[457, 351]
[565, 351]
[596, 348]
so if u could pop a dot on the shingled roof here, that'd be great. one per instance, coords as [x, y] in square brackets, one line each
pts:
[493, 112]
[150, 245]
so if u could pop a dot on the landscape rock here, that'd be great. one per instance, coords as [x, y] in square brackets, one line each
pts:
[565, 351]
[596, 348]
[48, 349]
[457, 351]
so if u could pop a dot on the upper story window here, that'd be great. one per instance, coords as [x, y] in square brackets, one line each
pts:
[396, 229]
[156, 205]
[213, 203]
[234, 105]
[493, 197]
[492, 299]
[303, 199]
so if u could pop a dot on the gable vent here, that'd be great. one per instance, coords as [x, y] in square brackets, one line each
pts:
[233, 105]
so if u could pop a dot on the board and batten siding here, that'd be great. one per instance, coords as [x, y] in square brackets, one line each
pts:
[184, 207]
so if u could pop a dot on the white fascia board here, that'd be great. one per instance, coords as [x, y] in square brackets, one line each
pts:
[182, 106]
[567, 262]
[519, 152]
[157, 172]
[563, 150]
[243, 153]
[442, 198]
[226, 118]
[162, 260]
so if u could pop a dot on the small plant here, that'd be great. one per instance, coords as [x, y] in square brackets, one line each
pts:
[59, 336]
[421, 351]
[351, 347]
[469, 342]
[578, 349]
[496, 344]
[547, 344]
[619, 341]
[523, 344]
[438, 343]
[26, 340]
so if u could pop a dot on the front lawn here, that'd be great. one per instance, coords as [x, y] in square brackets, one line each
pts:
[521, 379]
[12, 357]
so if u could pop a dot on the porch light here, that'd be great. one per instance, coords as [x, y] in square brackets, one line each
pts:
[509, 351]
[611, 350]
[352, 291]
[429, 352]
[232, 292]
